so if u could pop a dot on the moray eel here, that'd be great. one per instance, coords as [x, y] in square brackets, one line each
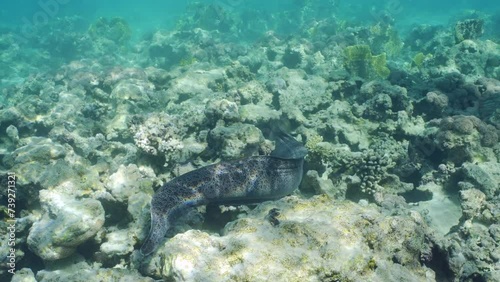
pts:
[249, 180]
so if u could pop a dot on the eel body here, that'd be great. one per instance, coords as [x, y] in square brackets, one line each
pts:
[249, 180]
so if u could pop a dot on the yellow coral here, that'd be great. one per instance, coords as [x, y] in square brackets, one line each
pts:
[394, 45]
[312, 142]
[360, 61]
[187, 61]
[419, 58]
[379, 64]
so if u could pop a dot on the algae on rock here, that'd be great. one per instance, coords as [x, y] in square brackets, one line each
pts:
[312, 238]
[65, 224]
[360, 61]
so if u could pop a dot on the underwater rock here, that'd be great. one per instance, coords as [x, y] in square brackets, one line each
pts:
[347, 128]
[76, 268]
[64, 38]
[124, 73]
[238, 73]
[485, 177]
[127, 98]
[276, 84]
[195, 84]
[468, 29]
[208, 17]
[37, 149]
[65, 224]
[159, 77]
[116, 30]
[426, 38]
[138, 208]
[159, 133]
[24, 275]
[166, 50]
[131, 90]
[235, 141]
[12, 133]
[433, 105]
[316, 184]
[469, 58]
[303, 95]
[461, 138]
[222, 110]
[258, 114]
[408, 124]
[254, 93]
[118, 243]
[472, 202]
[37, 160]
[130, 180]
[351, 242]
[490, 99]
[95, 150]
[383, 99]
[467, 258]
[84, 74]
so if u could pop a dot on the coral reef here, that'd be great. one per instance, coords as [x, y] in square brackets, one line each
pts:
[468, 29]
[361, 244]
[65, 224]
[462, 138]
[159, 134]
[208, 17]
[401, 180]
[76, 269]
[114, 29]
[483, 176]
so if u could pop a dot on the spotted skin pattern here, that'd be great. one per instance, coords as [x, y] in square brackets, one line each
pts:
[250, 180]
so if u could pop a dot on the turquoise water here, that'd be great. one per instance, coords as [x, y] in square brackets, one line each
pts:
[105, 103]
[250, 19]
[154, 14]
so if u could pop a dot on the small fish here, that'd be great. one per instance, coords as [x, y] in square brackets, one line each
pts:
[249, 180]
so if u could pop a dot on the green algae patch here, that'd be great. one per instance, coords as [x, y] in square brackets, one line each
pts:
[419, 59]
[359, 61]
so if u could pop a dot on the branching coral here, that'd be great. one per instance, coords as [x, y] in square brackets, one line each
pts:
[159, 133]
[372, 167]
